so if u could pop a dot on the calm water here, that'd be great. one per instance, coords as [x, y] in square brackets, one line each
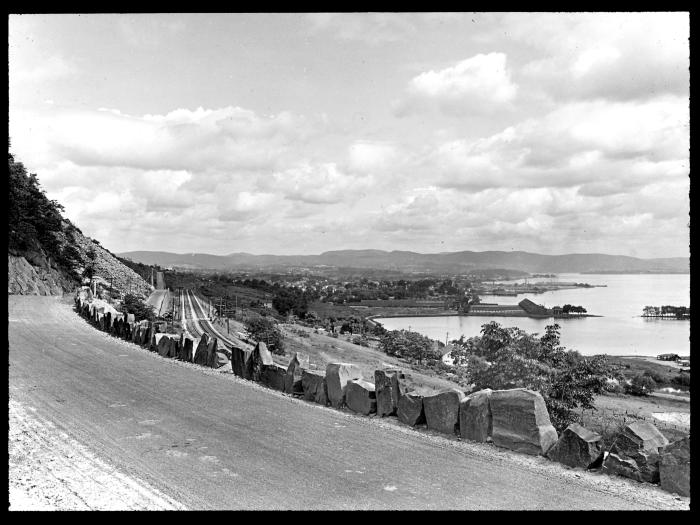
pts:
[620, 332]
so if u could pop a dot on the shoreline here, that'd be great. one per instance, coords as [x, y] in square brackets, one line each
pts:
[450, 314]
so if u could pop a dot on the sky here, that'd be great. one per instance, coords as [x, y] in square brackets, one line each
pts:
[300, 133]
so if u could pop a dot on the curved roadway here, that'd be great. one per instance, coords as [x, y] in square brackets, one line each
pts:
[213, 441]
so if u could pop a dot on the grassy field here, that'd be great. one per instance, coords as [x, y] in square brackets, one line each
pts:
[663, 372]
[670, 416]
[324, 349]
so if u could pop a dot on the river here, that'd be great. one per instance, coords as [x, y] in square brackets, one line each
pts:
[621, 330]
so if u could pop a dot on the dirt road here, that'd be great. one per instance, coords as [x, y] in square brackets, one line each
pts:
[100, 423]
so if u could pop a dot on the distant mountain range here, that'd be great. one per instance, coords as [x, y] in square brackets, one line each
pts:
[453, 262]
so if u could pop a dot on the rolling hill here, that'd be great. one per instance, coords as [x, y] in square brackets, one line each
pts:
[456, 262]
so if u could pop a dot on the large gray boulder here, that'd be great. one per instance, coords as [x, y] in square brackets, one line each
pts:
[521, 421]
[186, 348]
[241, 362]
[360, 397]
[201, 354]
[261, 357]
[577, 447]
[273, 376]
[674, 467]
[635, 452]
[442, 410]
[148, 335]
[410, 409]
[314, 387]
[337, 377]
[389, 387]
[221, 356]
[166, 344]
[292, 383]
[475, 421]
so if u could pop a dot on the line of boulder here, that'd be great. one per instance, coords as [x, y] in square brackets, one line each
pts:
[515, 419]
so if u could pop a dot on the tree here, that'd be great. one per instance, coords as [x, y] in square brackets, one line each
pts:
[89, 271]
[641, 385]
[133, 304]
[503, 358]
[408, 345]
[265, 330]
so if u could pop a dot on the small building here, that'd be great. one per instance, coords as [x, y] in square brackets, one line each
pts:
[668, 357]
[446, 358]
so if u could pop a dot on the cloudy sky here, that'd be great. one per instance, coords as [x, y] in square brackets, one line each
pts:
[301, 133]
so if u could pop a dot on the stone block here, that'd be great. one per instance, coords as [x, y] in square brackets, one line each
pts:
[241, 362]
[577, 447]
[360, 397]
[521, 421]
[274, 376]
[637, 448]
[442, 410]
[674, 467]
[337, 377]
[410, 409]
[389, 387]
[314, 387]
[292, 383]
[475, 421]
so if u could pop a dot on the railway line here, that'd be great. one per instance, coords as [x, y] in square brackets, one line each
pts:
[194, 320]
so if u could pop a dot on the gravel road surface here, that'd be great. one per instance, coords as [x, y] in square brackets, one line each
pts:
[96, 422]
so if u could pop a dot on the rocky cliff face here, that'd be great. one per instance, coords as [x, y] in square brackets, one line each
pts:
[33, 273]
[112, 272]
[25, 279]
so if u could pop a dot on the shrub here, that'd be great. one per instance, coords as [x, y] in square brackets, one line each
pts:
[359, 340]
[682, 379]
[503, 358]
[408, 345]
[265, 330]
[641, 385]
[135, 305]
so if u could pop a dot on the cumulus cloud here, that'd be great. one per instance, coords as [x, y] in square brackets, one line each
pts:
[478, 84]
[616, 56]
[230, 138]
[579, 143]
[316, 183]
[369, 157]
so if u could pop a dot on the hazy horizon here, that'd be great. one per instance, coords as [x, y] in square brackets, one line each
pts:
[302, 133]
[385, 250]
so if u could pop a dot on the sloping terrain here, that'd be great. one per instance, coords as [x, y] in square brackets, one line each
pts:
[208, 440]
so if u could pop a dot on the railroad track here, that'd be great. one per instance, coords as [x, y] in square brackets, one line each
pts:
[196, 321]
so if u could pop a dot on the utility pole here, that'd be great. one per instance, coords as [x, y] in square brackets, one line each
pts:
[446, 336]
